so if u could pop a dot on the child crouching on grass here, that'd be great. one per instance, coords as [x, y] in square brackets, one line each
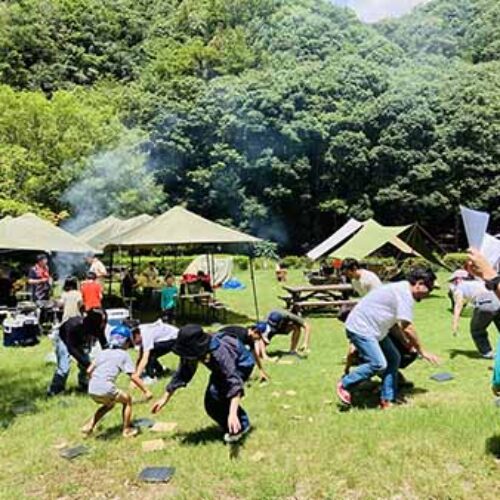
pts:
[103, 373]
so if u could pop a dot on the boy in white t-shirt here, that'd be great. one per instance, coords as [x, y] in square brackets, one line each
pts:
[368, 325]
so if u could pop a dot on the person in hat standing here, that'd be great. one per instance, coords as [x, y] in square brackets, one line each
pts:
[97, 267]
[39, 279]
[230, 364]
[103, 373]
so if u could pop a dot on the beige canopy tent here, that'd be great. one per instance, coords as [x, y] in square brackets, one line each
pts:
[30, 232]
[101, 233]
[180, 227]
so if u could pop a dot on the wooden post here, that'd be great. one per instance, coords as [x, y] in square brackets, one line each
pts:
[254, 288]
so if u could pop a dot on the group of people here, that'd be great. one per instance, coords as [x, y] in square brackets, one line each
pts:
[380, 330]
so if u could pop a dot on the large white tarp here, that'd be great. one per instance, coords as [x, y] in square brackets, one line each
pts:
[348, 229]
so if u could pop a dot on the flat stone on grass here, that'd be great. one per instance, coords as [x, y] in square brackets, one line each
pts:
[76, 451]
[157, 474]
[153, 445]
[164, 426]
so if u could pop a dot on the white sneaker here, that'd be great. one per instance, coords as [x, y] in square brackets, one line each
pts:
[149, 380]
[234, 438]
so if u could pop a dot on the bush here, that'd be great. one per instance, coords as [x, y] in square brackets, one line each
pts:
[455, 260]
[294, 262]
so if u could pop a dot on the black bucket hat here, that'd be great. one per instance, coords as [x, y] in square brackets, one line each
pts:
[192, 342]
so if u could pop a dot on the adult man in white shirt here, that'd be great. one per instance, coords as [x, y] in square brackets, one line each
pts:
[97, 267]
[362, 280]
[368, 325]
[155, 340]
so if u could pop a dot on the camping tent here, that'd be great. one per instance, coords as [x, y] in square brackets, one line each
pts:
[29, 232]
[101, 233]
[361, 239]
[221, 268]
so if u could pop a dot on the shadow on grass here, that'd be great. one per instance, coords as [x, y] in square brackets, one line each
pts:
[201, 436]
[19, 394]
[367, 395]
[493, 445]
[280, 353]
[110, 433]
[463, 352]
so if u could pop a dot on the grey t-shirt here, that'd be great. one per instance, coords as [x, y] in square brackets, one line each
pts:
[108, 365]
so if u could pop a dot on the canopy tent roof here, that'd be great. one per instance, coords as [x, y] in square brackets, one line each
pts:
[101, 233]
[361, 239]
[29, 232]
[95, 229]
[370, 238]
[179, 226]
[348, 229]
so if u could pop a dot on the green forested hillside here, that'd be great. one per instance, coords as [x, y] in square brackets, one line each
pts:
[469, 29]
[283, 117]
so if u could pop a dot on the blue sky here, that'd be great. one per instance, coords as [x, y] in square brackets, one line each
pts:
[373, 10]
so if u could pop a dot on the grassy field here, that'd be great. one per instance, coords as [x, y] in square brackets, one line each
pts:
[443, 444]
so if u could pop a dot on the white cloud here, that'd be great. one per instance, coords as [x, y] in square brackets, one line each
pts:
[373, 10]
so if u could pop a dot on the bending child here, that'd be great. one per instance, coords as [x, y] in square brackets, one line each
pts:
[103, 373]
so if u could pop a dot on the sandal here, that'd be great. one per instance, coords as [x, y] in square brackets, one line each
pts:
[130, 432]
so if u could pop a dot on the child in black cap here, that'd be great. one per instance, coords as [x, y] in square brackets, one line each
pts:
[230, 364]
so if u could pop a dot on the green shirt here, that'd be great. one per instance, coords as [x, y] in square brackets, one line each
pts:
[168, 297]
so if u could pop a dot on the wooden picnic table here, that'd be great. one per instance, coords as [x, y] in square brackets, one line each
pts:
[310, 297]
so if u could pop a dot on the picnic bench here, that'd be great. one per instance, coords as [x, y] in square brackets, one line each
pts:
[301, 299]
[202, 306]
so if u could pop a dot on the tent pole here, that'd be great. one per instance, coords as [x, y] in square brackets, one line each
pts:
[433, 240]
[212, 274]
[254, 288]
[110, 283]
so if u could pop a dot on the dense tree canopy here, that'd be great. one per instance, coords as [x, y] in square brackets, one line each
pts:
[282, 117]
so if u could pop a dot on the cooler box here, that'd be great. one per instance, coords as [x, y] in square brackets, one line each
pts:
[21, 331]
[115, 318]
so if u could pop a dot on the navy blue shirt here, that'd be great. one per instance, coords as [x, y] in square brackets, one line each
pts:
[229, 362]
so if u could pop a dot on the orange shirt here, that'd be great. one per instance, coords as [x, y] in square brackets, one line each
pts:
[91, 294]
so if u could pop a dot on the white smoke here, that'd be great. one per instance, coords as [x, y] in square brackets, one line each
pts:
[114, 182]
[375, 10]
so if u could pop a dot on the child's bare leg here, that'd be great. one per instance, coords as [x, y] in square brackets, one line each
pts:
[295, 339]
[99, 414]
[126, 400]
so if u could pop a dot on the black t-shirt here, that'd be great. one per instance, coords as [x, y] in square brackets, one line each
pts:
[5, 292]
[240, 333]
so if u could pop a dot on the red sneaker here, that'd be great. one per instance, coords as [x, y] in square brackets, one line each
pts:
[343, 394]
[385, 405]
